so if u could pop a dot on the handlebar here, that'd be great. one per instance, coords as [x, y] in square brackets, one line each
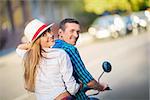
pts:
[106, 68]
[106, 89]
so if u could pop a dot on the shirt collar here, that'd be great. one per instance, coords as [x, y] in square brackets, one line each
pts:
[59, 41]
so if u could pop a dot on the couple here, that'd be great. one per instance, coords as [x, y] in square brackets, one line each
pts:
[53, 68]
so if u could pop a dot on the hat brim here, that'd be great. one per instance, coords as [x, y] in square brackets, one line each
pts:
[41, 32]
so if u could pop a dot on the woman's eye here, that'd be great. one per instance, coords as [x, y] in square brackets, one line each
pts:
[49, 30]
[43, 35]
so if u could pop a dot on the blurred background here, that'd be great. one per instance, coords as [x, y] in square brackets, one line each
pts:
[114, 30]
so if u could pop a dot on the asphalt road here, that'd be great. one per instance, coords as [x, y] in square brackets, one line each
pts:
[129, 78]
[130, 59]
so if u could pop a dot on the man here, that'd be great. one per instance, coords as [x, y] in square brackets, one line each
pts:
[69, 30]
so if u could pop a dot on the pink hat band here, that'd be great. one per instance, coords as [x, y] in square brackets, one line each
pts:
[38, 31]
[34, 29]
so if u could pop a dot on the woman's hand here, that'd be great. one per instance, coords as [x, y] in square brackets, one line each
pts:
[63, 96]
[24, 46]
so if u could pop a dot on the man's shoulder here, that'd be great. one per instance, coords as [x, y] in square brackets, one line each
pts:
[69, 46]
[63, 44]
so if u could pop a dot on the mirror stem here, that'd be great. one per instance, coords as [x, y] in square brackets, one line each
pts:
[100, 76]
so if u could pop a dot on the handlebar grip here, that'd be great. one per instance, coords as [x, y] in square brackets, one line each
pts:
[108, 88]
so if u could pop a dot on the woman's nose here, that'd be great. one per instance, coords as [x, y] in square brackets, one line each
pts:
[49, 38]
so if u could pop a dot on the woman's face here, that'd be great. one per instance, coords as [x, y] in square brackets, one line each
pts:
[47, 39]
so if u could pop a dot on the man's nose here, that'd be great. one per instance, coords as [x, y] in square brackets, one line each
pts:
[76, 34]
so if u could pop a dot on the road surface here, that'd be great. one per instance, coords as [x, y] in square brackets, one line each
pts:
[129, 78]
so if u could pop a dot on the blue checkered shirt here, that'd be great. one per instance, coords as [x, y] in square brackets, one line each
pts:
[79, 71]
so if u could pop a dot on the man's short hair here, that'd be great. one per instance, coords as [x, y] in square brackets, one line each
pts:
[67, 20]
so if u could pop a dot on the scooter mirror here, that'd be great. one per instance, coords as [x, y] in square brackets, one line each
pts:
[106, 66]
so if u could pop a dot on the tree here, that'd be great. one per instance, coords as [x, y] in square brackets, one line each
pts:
[100, 6]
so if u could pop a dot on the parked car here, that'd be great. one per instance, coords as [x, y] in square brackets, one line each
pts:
[128, 23]
[108, 26]
[140, 21]
[147, 14]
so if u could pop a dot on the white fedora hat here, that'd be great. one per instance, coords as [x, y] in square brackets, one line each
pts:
[34, 29]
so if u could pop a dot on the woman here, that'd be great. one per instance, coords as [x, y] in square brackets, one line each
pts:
[48, 72]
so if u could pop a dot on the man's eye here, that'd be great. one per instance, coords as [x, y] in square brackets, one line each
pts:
[78, 32]
[72, 31]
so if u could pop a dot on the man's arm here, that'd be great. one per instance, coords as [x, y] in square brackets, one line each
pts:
[79, 68]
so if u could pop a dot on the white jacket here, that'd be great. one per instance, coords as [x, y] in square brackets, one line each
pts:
[54, 74]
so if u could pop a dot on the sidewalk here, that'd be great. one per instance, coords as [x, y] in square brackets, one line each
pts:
[11, 77]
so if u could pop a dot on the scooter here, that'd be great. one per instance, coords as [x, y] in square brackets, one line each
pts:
[106, 68]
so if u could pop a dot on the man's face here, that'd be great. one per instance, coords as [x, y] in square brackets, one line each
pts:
[71, 33]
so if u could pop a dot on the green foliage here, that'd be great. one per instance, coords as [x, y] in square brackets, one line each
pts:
[85, 19]
[80, 14]
[100, 6]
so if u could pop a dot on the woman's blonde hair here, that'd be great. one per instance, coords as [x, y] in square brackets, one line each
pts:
[31, 61]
